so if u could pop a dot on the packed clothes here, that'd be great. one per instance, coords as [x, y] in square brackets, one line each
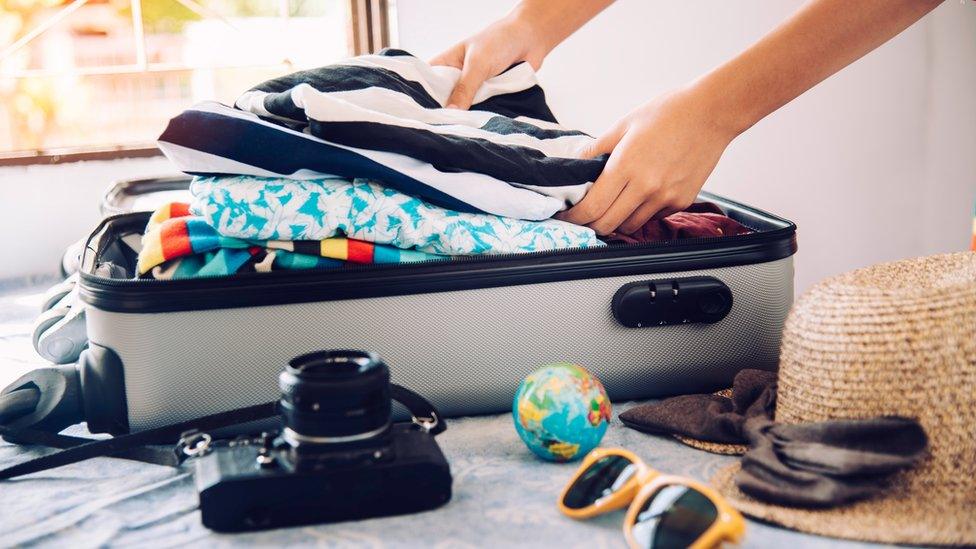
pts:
[179, 245]
[284, 209]
[359, 161]
[700, 220]
[381, 117]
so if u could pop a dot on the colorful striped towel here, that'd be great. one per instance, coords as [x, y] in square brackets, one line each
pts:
[177, 244]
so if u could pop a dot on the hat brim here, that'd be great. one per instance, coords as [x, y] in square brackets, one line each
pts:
[713, 447]
[898, 516]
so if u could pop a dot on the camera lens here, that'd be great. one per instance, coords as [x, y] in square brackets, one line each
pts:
[336, 396]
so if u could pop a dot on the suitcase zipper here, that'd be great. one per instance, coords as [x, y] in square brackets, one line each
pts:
[452, 273]
[637, 249]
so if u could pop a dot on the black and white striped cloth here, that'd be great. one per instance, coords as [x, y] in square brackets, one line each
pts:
[381, 117]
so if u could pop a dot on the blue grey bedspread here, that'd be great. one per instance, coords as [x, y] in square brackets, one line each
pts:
[503, 496]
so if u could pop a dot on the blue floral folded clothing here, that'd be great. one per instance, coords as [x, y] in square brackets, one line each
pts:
[258, 208]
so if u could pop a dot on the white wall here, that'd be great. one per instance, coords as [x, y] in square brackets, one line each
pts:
[43, 209]
[877, 163]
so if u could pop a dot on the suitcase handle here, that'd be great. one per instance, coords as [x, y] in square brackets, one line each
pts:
[118, 190]
[649, 303]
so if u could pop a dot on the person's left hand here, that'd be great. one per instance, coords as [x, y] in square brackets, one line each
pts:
[660, 156]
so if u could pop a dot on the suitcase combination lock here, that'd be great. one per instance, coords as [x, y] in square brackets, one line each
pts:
[699, 299]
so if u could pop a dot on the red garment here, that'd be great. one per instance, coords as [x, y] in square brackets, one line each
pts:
[700, 220]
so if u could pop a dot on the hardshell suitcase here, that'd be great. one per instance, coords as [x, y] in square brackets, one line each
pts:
[648, 320]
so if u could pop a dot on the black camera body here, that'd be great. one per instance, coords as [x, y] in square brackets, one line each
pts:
[237, 493]
[338, 457]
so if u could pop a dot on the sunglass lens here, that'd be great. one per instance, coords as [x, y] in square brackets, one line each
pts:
[602, 478]
[674, 516]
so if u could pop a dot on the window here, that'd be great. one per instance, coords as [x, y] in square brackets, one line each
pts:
[96, 75]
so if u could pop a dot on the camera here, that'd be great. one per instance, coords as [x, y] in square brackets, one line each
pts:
[337, 457]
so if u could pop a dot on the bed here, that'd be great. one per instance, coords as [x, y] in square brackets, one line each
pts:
[503, 496]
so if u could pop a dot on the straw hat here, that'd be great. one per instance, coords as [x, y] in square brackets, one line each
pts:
[893, 339]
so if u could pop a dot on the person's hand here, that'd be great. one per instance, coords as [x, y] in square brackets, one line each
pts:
[660, 156]
[488, 53]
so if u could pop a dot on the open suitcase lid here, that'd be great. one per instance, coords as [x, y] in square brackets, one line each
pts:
[144, 194]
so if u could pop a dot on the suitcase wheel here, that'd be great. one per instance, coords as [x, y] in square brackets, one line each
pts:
[59, 334]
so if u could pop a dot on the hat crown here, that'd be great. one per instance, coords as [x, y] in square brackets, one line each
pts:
[895, 339]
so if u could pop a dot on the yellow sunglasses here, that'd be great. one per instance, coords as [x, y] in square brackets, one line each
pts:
[665, 511]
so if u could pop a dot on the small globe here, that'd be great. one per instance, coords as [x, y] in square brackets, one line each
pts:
[561, 411]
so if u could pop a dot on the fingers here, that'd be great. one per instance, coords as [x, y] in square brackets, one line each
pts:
[644, 213]
[453, 57]
[656, 208]
[606, 142]
[599, 198]
[473, 75]
[668, 211]
[632, 198]
[607, 187]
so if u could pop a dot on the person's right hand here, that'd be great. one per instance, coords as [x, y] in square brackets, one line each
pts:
[488, 53]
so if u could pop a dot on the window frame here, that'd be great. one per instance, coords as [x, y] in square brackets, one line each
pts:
[369, 31]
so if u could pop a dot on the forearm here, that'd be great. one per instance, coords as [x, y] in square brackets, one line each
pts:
[822, 38]
[552, 22]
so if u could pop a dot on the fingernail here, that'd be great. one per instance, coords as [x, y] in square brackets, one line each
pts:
[452, 105]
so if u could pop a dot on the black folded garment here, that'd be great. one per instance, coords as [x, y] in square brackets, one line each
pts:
[712, 418]
[827, 463]
[814, 465]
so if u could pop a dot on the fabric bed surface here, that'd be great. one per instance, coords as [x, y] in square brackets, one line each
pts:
[502, 495]
[382, 117]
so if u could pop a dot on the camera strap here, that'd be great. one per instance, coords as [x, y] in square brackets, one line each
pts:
[134, 446]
